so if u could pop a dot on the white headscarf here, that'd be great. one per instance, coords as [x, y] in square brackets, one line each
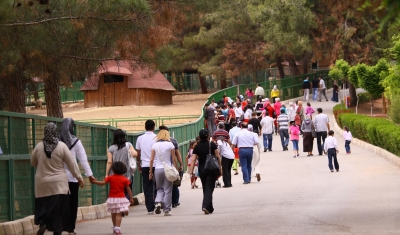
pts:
[275, 88]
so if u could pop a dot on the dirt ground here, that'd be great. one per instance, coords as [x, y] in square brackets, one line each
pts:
[183, 104]
[365, 108]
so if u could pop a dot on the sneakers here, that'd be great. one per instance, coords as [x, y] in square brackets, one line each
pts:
[158, 208]
[175, 205]
[167, 213]
[150, 213]
[117, 230]
[258, 177]
[205, 211]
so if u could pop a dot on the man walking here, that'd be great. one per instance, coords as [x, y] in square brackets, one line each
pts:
[335, 97]
[315, 86]
[321, 123]
[267, 130]
[255, 122]
[306, 88]
[210, 116]
[245, 141]
[143, 148]
[175, 189]
[322, 89]
[283, 125]
[259, 92]
[221, 132]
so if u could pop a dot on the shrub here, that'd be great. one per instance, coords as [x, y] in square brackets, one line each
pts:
[377, 131]
[340, 108]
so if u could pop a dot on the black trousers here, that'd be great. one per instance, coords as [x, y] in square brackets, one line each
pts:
[70, 221]
[208, 182]
[148, 189]
[226, 171]
[321, 136]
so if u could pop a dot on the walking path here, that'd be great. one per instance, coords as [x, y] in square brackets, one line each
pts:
[294, 196]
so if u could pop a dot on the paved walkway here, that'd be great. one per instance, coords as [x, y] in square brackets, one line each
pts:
[295, 196]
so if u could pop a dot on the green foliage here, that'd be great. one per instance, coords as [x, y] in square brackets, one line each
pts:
[340, 70]
[394, 109]
[377, 131]
[370, 77]
[340, 108]
[352, 75]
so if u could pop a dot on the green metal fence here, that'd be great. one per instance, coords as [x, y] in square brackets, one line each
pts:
[20, 133]
[71, 93]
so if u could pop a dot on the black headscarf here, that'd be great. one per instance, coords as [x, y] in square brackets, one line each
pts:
[67, 133]
[50, 140]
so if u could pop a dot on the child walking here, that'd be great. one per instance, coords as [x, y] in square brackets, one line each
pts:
[189, 160]
[309, 110]
[294, 132]
[347, 137]
[331, 148]
[117, 203]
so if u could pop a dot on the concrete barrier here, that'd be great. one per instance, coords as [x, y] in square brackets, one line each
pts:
[390, 157]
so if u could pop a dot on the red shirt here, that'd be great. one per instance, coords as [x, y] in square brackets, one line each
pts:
[232, 113]
[118, 184]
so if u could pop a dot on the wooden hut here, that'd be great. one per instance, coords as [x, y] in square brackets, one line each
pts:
[117, 83]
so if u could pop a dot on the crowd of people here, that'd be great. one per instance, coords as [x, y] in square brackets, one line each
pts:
[233, 134]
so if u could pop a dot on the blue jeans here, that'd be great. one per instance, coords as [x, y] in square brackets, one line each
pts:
[332, 154]
[246, 156]
[335, 96]
[295, 144]
[284, 133]
[315, 93]
[267, 140]
[347, 146]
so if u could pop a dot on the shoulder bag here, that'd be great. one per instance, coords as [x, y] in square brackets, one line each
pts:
[170, 171]
[132, 161]
[313, 132]
[212, 164]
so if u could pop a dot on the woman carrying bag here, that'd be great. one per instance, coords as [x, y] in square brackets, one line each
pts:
[161, 153]
[200, 152]
[308, 139]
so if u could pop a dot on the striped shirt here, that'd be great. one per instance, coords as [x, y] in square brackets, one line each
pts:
[221, 133]
[283, 121]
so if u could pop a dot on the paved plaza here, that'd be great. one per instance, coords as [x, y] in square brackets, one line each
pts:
[295, 196]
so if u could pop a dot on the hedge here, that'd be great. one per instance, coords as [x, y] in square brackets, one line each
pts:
[377, 131]
[340, 108]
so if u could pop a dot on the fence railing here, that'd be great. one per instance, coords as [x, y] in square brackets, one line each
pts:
[19, 134]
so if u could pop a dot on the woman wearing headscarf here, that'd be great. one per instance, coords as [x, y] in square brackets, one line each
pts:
[78, 152]
[274, 94]
[308, 140]
[256, 156]
[51, 181]
[207, 178]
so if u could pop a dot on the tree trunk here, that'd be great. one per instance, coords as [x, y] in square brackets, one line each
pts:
[280, 66]
[16, 95]
[52, 96]
[223, 82]
[203, 84]
[353, 95]
[294, 70]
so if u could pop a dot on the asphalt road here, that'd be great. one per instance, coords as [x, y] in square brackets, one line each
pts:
[294, 196]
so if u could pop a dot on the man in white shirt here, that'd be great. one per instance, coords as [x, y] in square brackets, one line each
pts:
[267, 130]
[322, 89]
[330, 146]
[143, 148]
[321, 124]
[234, 130]
[245, 141]
[259, 92]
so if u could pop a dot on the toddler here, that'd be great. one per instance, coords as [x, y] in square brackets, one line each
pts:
[347, 137]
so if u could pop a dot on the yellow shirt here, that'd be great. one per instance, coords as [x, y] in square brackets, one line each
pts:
[274, 93]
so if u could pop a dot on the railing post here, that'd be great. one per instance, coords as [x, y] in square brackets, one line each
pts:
[93, 189]
[11, 189]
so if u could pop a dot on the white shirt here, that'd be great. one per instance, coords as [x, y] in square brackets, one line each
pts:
[233, 132]
[164, 148]
[347, 135]
[330, 142]
[79, 151]
[225, 150]
[245, 138]
[320, 122]
[238, 111]
[144, 144]
[267, 125]
[322, 83]
[247, 114]
[259, 91]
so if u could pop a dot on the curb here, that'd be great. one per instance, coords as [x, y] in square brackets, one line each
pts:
[390, 157]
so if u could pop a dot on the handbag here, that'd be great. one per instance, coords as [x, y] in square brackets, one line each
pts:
[170, 171]
[178, 181]
[132, 161]
[313, 132]
[212, 164]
